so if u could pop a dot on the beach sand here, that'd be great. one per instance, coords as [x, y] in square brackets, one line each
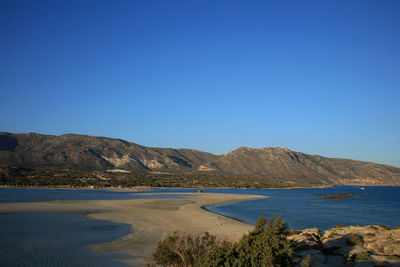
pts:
[151, 219]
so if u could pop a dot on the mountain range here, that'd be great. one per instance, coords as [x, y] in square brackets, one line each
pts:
[82, 152]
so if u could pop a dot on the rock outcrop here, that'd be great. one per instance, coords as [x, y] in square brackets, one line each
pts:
[348, 246]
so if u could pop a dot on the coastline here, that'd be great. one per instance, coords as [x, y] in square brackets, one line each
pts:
[135, 189]
[150, 219]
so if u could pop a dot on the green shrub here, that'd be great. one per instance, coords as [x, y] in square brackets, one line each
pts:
[221, 255]
[267, 245]
[183, 250]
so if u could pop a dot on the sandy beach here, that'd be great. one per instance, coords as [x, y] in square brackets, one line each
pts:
[151, 219]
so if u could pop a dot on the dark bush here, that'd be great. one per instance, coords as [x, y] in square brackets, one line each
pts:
[183, 250]
[266, 245]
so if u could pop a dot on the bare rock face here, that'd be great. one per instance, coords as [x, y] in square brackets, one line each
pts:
[307, 238]
[349, 246]
[297, 167]
[71, 151]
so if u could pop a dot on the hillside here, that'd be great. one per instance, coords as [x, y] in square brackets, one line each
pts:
[284, 164]
[81, 152]
[99, 153]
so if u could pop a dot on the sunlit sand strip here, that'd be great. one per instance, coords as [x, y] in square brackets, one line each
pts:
[151, 219]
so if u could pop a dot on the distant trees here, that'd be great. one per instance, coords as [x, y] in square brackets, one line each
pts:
[266, 245]
[18, 176]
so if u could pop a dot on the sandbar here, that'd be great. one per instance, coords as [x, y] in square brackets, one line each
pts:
[151, 219]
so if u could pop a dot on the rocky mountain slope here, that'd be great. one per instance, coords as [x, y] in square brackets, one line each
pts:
[100, 153]
[88, 152]
[287, 165]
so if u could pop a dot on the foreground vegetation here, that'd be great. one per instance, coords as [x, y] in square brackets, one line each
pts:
[17, 176]
[271, 244]
[267, 245]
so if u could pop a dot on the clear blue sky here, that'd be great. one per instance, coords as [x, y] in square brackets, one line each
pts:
[320, 77]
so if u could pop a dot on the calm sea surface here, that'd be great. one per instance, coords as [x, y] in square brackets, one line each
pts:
[60, 239]
[41, 194]
[303, 209]
[57, 239]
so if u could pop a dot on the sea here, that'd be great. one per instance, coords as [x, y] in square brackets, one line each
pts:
[62, 239]
[43, 239]
[322, 208]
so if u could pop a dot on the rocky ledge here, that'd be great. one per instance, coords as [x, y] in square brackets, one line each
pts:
[348, 246]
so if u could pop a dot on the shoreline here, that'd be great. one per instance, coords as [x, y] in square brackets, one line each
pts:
[150, 219]
[229, 217]
[139, 188]
[135, 189]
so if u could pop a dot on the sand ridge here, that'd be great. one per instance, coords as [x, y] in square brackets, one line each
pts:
[151, 219]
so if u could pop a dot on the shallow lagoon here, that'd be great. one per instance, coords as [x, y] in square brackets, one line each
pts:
[300, 207]
[60, 239]
[55, 239]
